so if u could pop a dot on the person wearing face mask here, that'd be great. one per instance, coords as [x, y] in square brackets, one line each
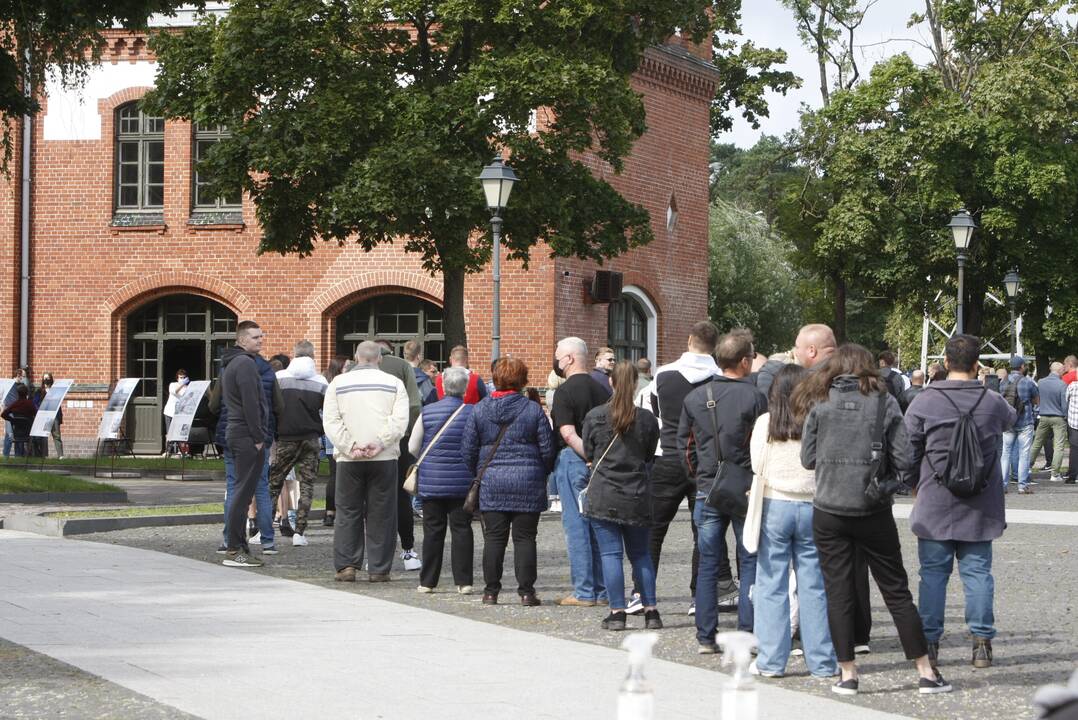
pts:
[176, 390]
[574, 399]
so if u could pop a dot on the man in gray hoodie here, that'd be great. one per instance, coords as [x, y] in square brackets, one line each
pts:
[241, 389]
[947, 526]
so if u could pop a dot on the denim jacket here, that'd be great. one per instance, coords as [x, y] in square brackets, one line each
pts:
[837, 443]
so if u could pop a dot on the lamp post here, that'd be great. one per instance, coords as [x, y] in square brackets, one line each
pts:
[1011, 283]
[962, 229]
[497, 180]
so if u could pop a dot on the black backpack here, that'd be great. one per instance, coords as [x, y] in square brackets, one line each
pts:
[1010, 394]
[966, 473]
[894, 383]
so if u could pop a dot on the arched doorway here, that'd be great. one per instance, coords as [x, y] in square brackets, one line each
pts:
[396, 319]
[628, 329]
[173, 332]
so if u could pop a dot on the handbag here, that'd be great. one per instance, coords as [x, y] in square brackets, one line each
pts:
[750, 533]
[582, 496]
[471, 501]
[882, 483]
[730, 489]
[411, 480]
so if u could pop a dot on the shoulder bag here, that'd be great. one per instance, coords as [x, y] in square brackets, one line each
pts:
[582, 496]
[882, 481]
[411, 480]
[730, 489]
[471, 501]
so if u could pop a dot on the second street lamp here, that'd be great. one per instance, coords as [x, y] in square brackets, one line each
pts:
[962, 226]
[497, 179]
[1011, 283]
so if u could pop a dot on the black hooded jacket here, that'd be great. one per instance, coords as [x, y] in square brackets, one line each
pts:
[241, 390]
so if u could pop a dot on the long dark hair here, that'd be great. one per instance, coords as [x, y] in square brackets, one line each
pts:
[848, 359]
[622, 410]
[335, 367]
[783, 423]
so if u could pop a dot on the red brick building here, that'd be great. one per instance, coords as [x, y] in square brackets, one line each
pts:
[131, 274]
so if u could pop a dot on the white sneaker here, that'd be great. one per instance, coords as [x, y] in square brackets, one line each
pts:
[757, 671]
[635, 606]
[692, 608]
[861, 649]
[424, 589]
[1056, 478]
[555, 505]
[299, 541]
[411, 560]
[464, 589]
[255, 539]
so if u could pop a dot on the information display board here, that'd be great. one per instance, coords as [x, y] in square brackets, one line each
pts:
[46, 414]
[186, 407]
[114, 411]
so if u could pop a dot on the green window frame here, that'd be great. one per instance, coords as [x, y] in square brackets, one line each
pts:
[395, 319]
[203, 139]
[140, 160]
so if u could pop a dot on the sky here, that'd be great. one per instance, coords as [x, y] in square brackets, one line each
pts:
[768, 24]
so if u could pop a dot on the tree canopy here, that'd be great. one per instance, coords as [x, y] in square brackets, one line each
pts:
[367, 122]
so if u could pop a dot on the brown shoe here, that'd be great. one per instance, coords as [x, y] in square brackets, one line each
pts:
[378, 577]
[347, 574]
[982, 653]
[530, 600]
[574, 601]
[490, 598]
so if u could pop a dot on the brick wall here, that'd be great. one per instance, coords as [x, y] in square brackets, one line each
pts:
[88, 276]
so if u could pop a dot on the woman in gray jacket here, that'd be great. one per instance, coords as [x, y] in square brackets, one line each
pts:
[840, 402]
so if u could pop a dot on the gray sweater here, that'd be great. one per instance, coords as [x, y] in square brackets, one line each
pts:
[837, 443]
[937, 513]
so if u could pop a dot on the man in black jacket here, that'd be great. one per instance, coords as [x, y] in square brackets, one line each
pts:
[721, 429]
[241, 389]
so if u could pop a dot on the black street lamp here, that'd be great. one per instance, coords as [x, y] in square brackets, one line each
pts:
[962, 229]
[497, 179]
[1011, 283]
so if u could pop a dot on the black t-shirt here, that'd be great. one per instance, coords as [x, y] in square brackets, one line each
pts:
[573, 400]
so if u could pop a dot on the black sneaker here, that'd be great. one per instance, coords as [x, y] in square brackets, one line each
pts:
[614, 621]
[327, 520]
[982, 653]
[846, 687]
[286, 528]
[252, 528]
[934, 686]
[222, 549]
[241, 559]
[652, 621]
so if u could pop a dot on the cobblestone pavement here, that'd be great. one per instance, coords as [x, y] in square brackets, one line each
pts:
[1036, 570]
[36, 686]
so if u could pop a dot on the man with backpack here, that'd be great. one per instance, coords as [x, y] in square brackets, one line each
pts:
[955, 428]
[1021, 393]
[894, 380]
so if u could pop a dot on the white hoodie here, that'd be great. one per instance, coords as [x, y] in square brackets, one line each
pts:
[695, 367]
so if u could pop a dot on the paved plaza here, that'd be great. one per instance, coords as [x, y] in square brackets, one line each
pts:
[147, 623]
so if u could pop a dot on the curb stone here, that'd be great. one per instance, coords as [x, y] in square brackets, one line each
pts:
[37, 498]
[46, 524]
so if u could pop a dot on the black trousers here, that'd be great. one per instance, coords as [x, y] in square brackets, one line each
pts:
[1072, 461]
[366, 493]
[670, 484]
[837, 541]
[248, 462]
[405, 518]
[862, 614]
[496, 530]
[331, 487]
[437, 514]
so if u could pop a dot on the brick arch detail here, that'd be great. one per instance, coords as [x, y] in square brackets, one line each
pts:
[107, 105]
[646, 283]
[157, 285]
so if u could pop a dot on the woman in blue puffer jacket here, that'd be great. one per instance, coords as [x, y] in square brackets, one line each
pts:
[443, 483]
[514, 472]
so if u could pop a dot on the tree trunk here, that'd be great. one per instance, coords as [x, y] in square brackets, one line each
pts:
[974, 307]
[453, 307]
[840, 307]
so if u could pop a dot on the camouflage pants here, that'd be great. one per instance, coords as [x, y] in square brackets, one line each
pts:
[303, 456]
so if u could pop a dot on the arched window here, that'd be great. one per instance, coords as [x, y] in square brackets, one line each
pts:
[205, 137]
[628, 329]
[397, 319]
[140, 160]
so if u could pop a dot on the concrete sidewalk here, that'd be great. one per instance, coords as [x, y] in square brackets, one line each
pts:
[224, 643]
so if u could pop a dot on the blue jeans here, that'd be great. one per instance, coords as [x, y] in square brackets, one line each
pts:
[974, 567]
[8, 439]
[585, 563]
[785, 537]
[636, 540]
[711, 526]
[1016, 449]
[263, 506]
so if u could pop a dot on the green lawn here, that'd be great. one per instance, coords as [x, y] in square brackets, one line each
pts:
[13, 480]
[201, 509]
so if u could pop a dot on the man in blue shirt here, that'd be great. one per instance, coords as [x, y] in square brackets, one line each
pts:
[1052, 411]
[1018, 441]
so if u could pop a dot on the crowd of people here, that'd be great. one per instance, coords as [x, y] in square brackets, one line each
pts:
[799, 454]
[18, 410]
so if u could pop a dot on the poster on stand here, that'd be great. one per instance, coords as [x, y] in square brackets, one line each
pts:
[46, 413]
[186, 407]
[114, 411]
[7, 392]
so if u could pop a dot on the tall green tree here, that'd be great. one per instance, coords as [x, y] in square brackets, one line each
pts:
[59, 36]
[990, 125]
[367, 122]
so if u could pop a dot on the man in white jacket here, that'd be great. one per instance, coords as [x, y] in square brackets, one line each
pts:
[365, 416]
